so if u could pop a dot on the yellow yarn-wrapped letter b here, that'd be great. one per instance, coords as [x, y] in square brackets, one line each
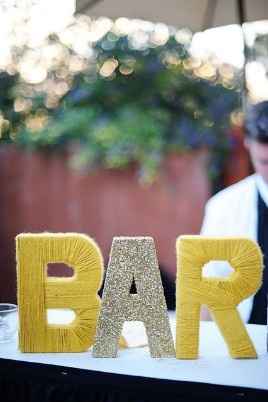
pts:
[221, 295]
[37, 292]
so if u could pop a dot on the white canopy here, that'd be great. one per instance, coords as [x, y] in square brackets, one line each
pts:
[194, 14]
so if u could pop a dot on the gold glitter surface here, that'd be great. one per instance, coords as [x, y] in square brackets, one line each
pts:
[133, 258]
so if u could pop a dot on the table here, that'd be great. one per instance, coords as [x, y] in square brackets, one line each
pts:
[134, 376]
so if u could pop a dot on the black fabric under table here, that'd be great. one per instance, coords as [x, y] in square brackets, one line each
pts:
[33, 382]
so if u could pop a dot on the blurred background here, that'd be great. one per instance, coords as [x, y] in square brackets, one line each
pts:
[123, 118]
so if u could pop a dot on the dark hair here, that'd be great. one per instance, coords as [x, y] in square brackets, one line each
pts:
[256, 122]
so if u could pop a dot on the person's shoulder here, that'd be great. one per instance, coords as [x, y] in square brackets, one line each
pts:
[233, 192]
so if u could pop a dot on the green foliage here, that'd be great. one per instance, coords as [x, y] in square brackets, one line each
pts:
[131, 103]
[8, 118]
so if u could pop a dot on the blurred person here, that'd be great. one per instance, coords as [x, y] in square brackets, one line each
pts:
[242, 210]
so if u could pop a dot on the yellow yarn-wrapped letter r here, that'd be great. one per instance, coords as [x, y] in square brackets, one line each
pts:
[221, 295]
[38, 292]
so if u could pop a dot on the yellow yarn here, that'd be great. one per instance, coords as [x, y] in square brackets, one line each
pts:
[37, 292]
[221, 295]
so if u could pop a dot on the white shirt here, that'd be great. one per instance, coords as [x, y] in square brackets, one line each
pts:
[233, 212]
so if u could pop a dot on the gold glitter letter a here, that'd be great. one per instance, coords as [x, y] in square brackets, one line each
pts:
[133, 257]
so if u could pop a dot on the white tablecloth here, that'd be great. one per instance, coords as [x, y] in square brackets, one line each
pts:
[214, 365]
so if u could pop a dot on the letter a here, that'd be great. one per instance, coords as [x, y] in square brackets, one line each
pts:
[133, 258]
